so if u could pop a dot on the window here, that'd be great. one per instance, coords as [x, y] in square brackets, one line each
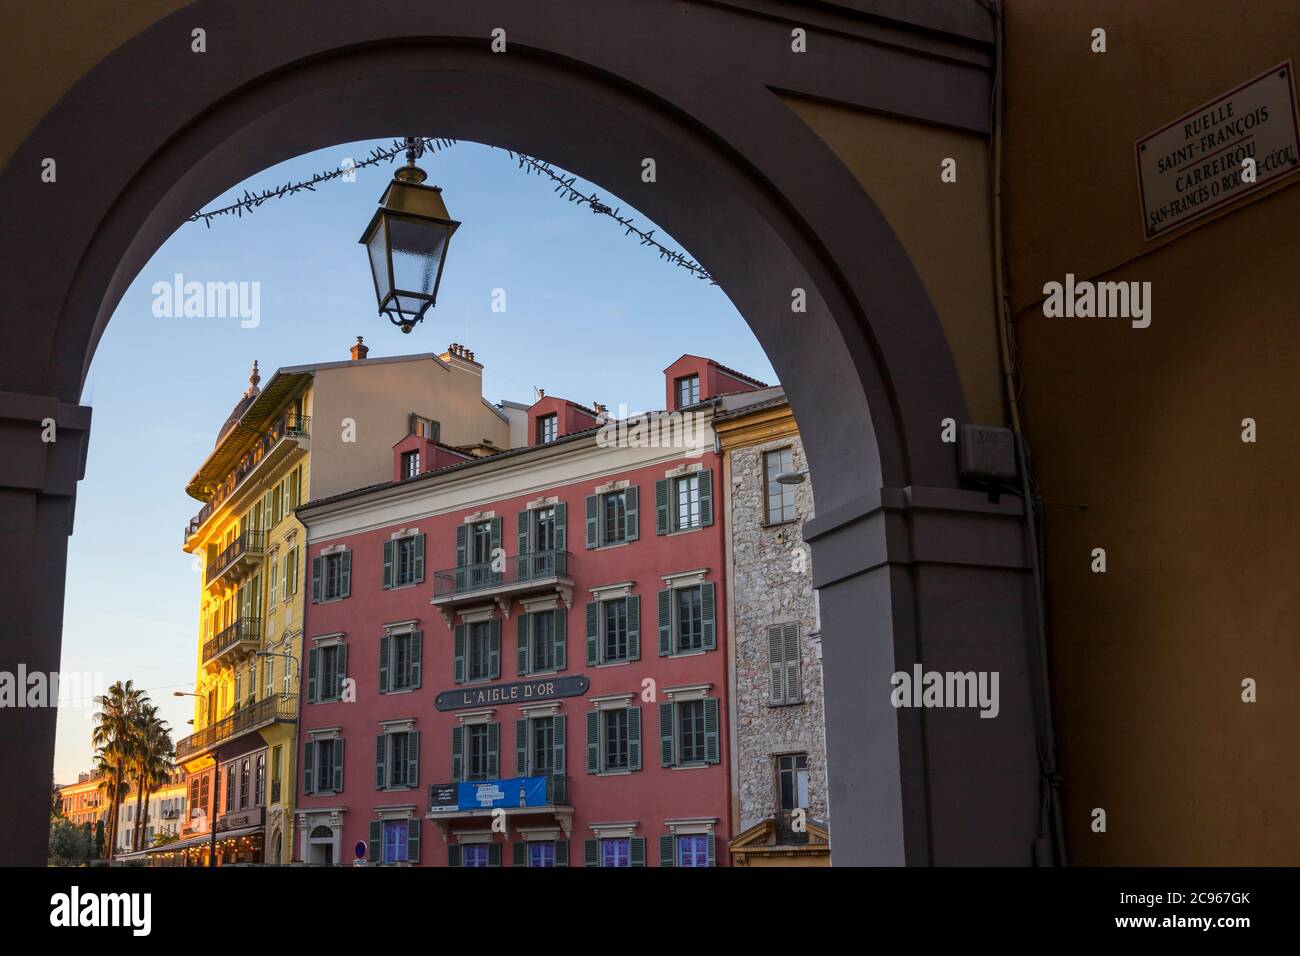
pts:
[230, 788]
[616, 851]
[539, 748]
[290, 573]
[259, 781]
[542, 746]
[476, 544]
[400, 657]
[543, 649]
[784, 664]
[687, 494]
[613, 517]
[410, 464]
[275, 773]
[614, 630]
[397, 760]
[331, 576]
[541, 642]
[686, 620]
[395, 840]
[614, 740]
[684, 503]
[275, 577]
[477, 854]
[693, 850]
[688, 733]
[543, 529]
[688, 390]
[780, 498]
[792, 781]
[477, 649]
[548, 428]
[481, 752]
[322, 767]
[615, 640]
[424, 427]
[326, 671]
[541, 853]
[404, 561]
[243, 783]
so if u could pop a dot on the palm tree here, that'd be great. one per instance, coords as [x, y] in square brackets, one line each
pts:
[152, 752]
[113, 737]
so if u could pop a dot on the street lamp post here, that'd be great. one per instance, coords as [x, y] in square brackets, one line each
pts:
[216, 790]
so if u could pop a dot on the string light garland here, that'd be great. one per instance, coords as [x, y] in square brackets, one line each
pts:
[564, 185]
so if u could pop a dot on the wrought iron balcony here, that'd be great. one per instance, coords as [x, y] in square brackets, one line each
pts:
[237, 558]
[534, 570]
[277, 708]
[243, 635]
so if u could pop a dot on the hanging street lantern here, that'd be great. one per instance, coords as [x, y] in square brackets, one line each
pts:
[407, 243]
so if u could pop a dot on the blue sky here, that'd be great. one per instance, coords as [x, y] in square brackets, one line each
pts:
[591, 316]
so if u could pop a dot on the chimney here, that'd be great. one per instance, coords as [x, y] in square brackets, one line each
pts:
[359, 351]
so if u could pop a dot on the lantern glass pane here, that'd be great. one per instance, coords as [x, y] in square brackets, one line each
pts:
[378, 260]
[417, 248]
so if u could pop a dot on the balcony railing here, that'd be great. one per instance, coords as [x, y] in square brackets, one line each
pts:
[244, 629]
[517, 569]
[248, 544]
[280, 707]
[288, 425]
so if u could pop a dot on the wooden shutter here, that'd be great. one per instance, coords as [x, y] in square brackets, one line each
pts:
[389, 548]
[634, 738]
[338, 765]
[341, 668]
[706, 497]
[662, 523]
[593, 741]
[313, 671]
[591, 853]
[793, 664]
[560, 637]
[523, 536]
[593, 521]
[309, 767]
[712, 751]
[494, 854]
[376, 843]
[494, 648]
[521, 747]
[561, 852]
[707, 615]
[417, 657]
[776, 665]
[593, 633]
[522, 654]
[413, 840]
[666, 735]
[665, 622]
[520, 849]
[561, 535]
[381, 762]
[419, 560]
[494, 751]
[345, 574]
[453, 854]
[385, 656]
[559, 745]
[711, 841]
[666, 850]
[633, 627]
[295, 487]
[632, 499]
[459, 642]
[636, 851]
[413, 758]
[457, 754]
[462, 554]
[494, 532]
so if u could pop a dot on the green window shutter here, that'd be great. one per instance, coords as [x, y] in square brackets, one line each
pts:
[712, 849]
[413, 840]
[494, 531]
[593, 741]
[419, 558]
[523, 536]
[385, 653]
[560, 637]
[666, 735]
[590, 853]
[634, 738]
[666, 847]
[521, 747]
[417, 655]
[295, 493]
[389, 548]
[494, 854]
[413, 759]
[593, 521]
[309, 767]
[561, 852]
[462, 554]
[381, 762]
[494, 648]
[453, 854]
[520, 849]
[522, 644]
[313, 671]
[665, 622]
[462, 633]
[593, 633]
[634, 627]
[346, 574]
[338, 765]
[632, 499]
[457, 754]
[267, 514]
[712, 751]
[494, 751]
[559, 744]
[662, 524]
[342, 668]
[562, 529]
[775, 665]
[376, 842]
[636, 851]
[706, 497]
[707, 614]
[293, 569]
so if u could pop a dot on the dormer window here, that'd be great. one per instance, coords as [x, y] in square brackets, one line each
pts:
[424, 427]
[410, 464]
[548, 428]
[688, 391]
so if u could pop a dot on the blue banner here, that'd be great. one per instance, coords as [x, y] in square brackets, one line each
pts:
[515, 792]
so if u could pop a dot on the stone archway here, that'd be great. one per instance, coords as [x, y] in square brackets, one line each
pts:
[911, 566]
